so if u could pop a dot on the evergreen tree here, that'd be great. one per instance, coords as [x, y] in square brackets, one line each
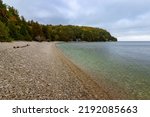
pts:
[24, 33]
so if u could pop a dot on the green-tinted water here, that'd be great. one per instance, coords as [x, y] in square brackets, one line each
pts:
[123, 64]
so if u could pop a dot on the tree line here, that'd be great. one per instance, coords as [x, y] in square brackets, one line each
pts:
[15, 27]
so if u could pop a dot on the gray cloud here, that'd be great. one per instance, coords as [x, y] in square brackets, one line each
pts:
[121, 17]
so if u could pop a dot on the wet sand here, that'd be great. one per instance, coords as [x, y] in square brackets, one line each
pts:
[41, 71]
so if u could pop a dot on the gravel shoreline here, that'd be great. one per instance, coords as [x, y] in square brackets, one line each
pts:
[41, 71]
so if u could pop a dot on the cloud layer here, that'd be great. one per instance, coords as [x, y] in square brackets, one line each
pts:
[121, 17]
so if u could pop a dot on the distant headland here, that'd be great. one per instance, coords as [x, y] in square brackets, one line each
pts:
[15, 28]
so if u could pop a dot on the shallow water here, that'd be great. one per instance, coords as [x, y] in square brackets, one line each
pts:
[122, 64]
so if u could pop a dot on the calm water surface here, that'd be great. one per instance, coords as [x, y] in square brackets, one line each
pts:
[122, 64]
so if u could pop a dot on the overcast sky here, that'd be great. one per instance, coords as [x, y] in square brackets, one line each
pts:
[125, 19]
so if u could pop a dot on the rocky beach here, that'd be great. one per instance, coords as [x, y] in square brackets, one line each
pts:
[41, 71]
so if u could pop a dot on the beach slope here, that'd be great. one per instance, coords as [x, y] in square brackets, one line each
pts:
[41, 71]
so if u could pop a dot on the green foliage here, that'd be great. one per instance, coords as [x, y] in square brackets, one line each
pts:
[14, 31]
[37, 32]
[46, 33]
[24, 31]
[4, 35]
[12, 26]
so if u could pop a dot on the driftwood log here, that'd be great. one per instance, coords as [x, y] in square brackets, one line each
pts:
[21, 46]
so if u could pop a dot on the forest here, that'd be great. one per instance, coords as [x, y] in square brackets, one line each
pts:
[14, 27]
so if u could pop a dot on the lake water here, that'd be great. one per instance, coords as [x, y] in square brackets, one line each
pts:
[120, 65]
